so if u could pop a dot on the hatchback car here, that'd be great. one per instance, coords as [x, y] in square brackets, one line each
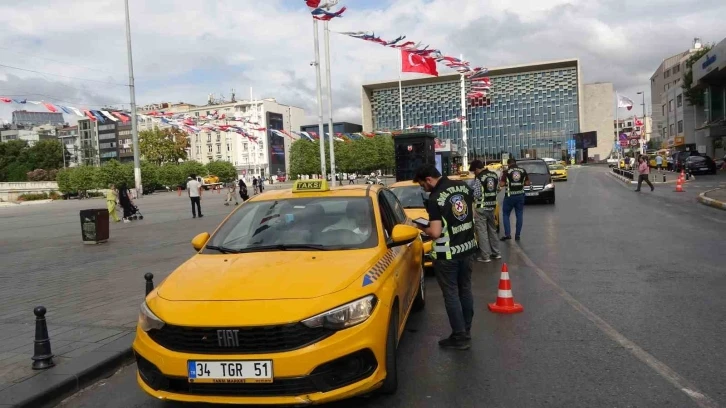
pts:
[299, 297]
[700, 165]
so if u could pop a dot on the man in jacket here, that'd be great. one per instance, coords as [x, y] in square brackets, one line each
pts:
[486, 186]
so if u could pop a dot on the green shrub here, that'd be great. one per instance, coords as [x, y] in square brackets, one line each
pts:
[33, 197]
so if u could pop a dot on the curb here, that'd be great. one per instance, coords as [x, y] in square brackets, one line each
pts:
[50, 387]
[710, 201]
[628, 181]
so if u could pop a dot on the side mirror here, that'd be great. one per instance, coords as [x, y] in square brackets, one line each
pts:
[200, 240]
[402, 235]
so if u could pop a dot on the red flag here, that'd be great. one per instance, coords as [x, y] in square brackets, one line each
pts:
[416, 63]
[50, 107]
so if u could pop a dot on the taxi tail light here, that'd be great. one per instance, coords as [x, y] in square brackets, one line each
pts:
[148, 320]
[342, 317]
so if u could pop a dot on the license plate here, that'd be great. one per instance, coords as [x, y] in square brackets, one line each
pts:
[704, 168]
[531, 194]
[230, 371]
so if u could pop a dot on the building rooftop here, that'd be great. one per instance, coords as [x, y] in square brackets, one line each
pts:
[506, 70]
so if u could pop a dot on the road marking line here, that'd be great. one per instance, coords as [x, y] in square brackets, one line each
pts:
[688, 388]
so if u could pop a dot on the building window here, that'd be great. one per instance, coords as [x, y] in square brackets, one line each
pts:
[196, 139]
[663, 110]
[209, 147]
[219, 148]
[671, 130]
[209, 137]
[199, 150]
[229, 147]
[679, 100]
[244, 147]
[670, 105]
[218, 137]
[680, 127]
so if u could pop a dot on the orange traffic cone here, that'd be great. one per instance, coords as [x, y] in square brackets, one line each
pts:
[683, 175]
[679, 186]
[505, 300]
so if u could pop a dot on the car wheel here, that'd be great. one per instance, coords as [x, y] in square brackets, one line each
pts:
[420, 302]
[390, 384]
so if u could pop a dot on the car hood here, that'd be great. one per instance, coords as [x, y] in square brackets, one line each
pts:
[266, 275]
[539, 179]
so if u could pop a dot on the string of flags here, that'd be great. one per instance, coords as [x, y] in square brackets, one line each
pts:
[481, 84]
[94, 115]
[319, 9]
[443, 123]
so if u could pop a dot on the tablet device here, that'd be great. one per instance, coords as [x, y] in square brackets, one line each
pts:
[422, 221]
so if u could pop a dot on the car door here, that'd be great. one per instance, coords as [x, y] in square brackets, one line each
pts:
[406, 265]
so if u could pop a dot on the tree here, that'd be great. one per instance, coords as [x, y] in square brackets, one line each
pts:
[84, 178]
[149, 176]
[46, 154]
[17, 171]
[192, 167]
[64, 181]
[222, 169]
[113, 172]
[163, 145]
[171, 175]
[12, 153]
[694, 96]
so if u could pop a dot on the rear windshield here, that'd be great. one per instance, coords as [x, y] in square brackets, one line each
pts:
[534, 167]
[326, 223]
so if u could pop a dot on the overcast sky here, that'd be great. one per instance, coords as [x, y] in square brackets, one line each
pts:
[184, 50]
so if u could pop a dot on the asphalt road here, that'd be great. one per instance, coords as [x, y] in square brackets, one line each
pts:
[623, 307]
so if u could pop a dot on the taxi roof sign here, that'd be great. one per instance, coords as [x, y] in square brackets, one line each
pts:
[307, 186]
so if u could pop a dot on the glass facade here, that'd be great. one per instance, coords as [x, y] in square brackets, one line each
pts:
[529, 112]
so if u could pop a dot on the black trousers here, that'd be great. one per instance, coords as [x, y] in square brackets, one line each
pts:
[641, 179]
[454, 277]
[198, 209]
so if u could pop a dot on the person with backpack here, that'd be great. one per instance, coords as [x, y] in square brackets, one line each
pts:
[243, 190]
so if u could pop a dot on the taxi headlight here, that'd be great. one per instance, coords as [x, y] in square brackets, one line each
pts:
[148, 320]
[345, 316]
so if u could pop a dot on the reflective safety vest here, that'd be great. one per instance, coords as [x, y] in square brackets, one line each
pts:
[489, 183]
[442, 248]
[515, 181]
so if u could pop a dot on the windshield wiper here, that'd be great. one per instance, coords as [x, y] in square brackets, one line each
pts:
[222, 249]
[285, 247]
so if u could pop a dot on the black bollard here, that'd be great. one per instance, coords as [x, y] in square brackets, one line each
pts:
[42, 356]
[664, 180]
[149, 282]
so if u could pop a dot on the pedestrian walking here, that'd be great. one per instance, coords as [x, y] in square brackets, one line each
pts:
[231, 189]
[261, 184]
[125, 200]
[486, 186]
[111, 197]
[659, 163]
[514, 178]
[451, 226]
[644, 171]
[194, 188]
[243, 190]
[254, 184]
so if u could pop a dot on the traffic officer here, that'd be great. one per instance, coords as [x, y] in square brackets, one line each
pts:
[486, 187]
[451, 226]
[514, 178]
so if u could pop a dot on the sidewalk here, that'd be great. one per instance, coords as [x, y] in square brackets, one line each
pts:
[92, 292]
[714, 198]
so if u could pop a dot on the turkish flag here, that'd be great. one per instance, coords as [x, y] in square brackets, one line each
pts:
[416, 63]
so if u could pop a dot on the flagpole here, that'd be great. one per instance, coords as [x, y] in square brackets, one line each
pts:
[465, 159]
[321, 129]
[617, 125]
[330, 103]
[132, 93]
[400, 88]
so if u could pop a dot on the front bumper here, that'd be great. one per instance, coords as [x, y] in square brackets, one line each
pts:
[556, 176]
[534, 195]
[348, 363]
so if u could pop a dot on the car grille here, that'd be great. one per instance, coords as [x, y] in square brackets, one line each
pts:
[252, 340]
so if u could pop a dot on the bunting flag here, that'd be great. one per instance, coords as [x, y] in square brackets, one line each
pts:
[319, 9]
[431, 125]
[95, 115]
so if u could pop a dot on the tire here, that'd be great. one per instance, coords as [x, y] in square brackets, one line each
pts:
[390, 384]
[141, 217]
[420, 302]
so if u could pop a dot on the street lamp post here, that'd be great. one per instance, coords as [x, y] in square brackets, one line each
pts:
[320, 99]
[645, 125]
[132, 92]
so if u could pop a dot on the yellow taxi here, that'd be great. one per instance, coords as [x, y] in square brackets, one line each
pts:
[299, 297]
[558, 172]
[495, 166]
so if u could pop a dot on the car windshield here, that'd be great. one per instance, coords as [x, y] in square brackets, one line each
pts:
[314, 223]
[556, 167]
[410, 196]
[534, 167]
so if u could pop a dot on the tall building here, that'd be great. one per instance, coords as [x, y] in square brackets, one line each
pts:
[532, 110]
[30, 134]
[268, 155]
[338, 127]
[71, 141]
[88, 140]
[709, 76]
[25, 118]
[674, 119]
